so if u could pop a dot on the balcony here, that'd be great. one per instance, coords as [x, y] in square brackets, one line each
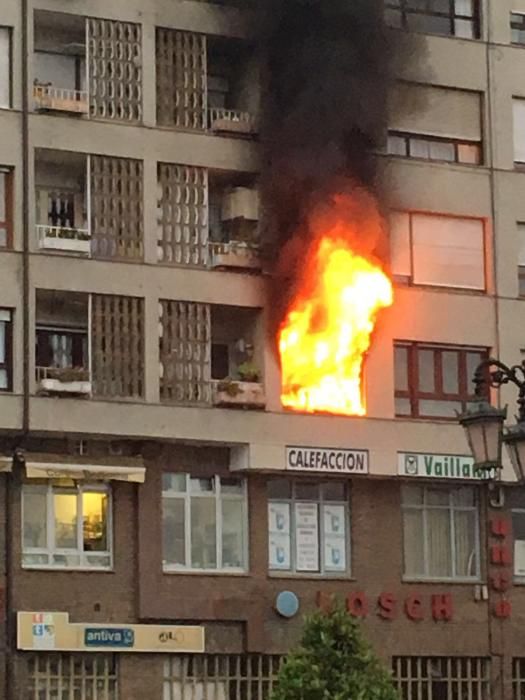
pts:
[231, 81]
[59, 64]
[62, 344]
[62, 221]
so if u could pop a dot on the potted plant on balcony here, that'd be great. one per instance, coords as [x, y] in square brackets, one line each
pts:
[65, 380]
[246, 391]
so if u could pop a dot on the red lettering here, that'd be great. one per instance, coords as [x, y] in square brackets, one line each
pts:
[442, 607]
[325, 601]
[499, 527]
[501, 581]
[502, 609]
[414, 607]
[387, 606]
[500, 554]
[357, 604]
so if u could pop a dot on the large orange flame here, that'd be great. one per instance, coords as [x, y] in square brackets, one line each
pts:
[327, 330]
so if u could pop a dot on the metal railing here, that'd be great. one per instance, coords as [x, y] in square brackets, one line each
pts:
[64, 99]
[61, 233]
[234, 119]
[65, 375]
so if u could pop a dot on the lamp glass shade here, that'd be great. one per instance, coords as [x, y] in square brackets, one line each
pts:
[514, 440]
[483, 426]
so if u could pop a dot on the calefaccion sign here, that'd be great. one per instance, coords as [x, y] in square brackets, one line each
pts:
[323, 459]
[436, 466]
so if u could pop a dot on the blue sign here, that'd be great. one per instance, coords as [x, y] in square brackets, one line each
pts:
[108, 637]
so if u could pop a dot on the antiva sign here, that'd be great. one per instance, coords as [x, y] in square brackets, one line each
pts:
[321, 459]
[436, 466]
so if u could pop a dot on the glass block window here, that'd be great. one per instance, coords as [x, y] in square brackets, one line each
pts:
[443, 677]
[52, 675]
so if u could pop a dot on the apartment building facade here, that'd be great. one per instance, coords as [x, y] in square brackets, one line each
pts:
[165, 523]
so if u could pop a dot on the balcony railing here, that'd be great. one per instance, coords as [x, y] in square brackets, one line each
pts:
[232, 121]
[72, 240]
[63, 380]
[48, 97]
[235, 254]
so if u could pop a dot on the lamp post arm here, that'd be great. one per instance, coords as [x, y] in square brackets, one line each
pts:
[495, 373]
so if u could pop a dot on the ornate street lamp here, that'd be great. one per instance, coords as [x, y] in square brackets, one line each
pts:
[484, 424]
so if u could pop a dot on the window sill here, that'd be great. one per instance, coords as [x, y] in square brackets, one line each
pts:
[442, 581]
[310, 576]
[84, 569]
[206, 572]
[475, 40]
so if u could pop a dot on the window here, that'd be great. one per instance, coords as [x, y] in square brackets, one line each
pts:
[447, 17]
[308, 527]
[521, 258]
[6, 350]
[517, 27]
[6, 206]
[438, 250]
[5, 68]
[433, 148]
[442, 677]
[440, 532]
[72, 675]
[220, 676]
[205, 523]
[61, 348]
[66, 527]
[518, 531]
[440, 124]
[518, 678]
[434, 381]
[518, 112]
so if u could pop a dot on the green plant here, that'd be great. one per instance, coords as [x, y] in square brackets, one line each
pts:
[248, 372]
[333, 662]
[230, 387]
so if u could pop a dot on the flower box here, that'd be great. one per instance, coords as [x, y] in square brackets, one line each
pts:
[234, 255]
[64, 239]
[238, 394]
[55, 99]
[56, 386]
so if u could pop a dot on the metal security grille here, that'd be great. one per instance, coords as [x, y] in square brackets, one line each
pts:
[117, 209]
[181, 79]
[443, 677]
[71, 676]
[114, 70]
[182, 214]
[518, 678]
[220, 677]
[184, 352]
[117, 346]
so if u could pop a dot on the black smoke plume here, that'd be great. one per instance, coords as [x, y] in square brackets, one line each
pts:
[327, 66]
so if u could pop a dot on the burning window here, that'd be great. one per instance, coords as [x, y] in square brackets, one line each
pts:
[433, 381]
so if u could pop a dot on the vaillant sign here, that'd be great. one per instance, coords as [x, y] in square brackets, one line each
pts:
[436, 466]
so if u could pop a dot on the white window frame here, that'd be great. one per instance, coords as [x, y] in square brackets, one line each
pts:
[219, 497]
[451, 508]
[51, 551]
[320, 501]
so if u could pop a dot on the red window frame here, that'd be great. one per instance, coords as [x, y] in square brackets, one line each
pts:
[413, 392]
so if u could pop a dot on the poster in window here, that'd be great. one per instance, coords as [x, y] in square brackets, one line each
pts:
[334, 538]
[279, 535]
[307, 537]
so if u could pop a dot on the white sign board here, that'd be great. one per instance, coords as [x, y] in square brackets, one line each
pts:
[334, 537]
[436, 466]
[279, 535]
[321, 459]
[306, 537]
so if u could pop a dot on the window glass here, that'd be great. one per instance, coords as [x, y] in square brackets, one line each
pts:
[419, 148]
[441, 533]
[206, 528]
[65, 505]
[426, 371]
[518, 531]
[464, 7]
[450, 369]
[428, 23]
[35, 517]
[279, 488]
[203, 533]
[3, 195]
[3, 338]
[172, 481]
[78, 522]
[401, 368]
[5, 68]
[403, 407]
[309, 532]
[440, 150]
[518, 107]
[473, 360]
[397, 145]
[468, 153]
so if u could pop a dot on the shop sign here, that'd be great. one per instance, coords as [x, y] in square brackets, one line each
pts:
[53, 631]
[387, 606]
[321, 459]
[436, 466]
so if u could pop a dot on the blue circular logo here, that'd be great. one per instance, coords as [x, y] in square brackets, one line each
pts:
[287, 604]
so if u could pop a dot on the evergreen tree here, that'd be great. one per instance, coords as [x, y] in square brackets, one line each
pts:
[333, 662]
